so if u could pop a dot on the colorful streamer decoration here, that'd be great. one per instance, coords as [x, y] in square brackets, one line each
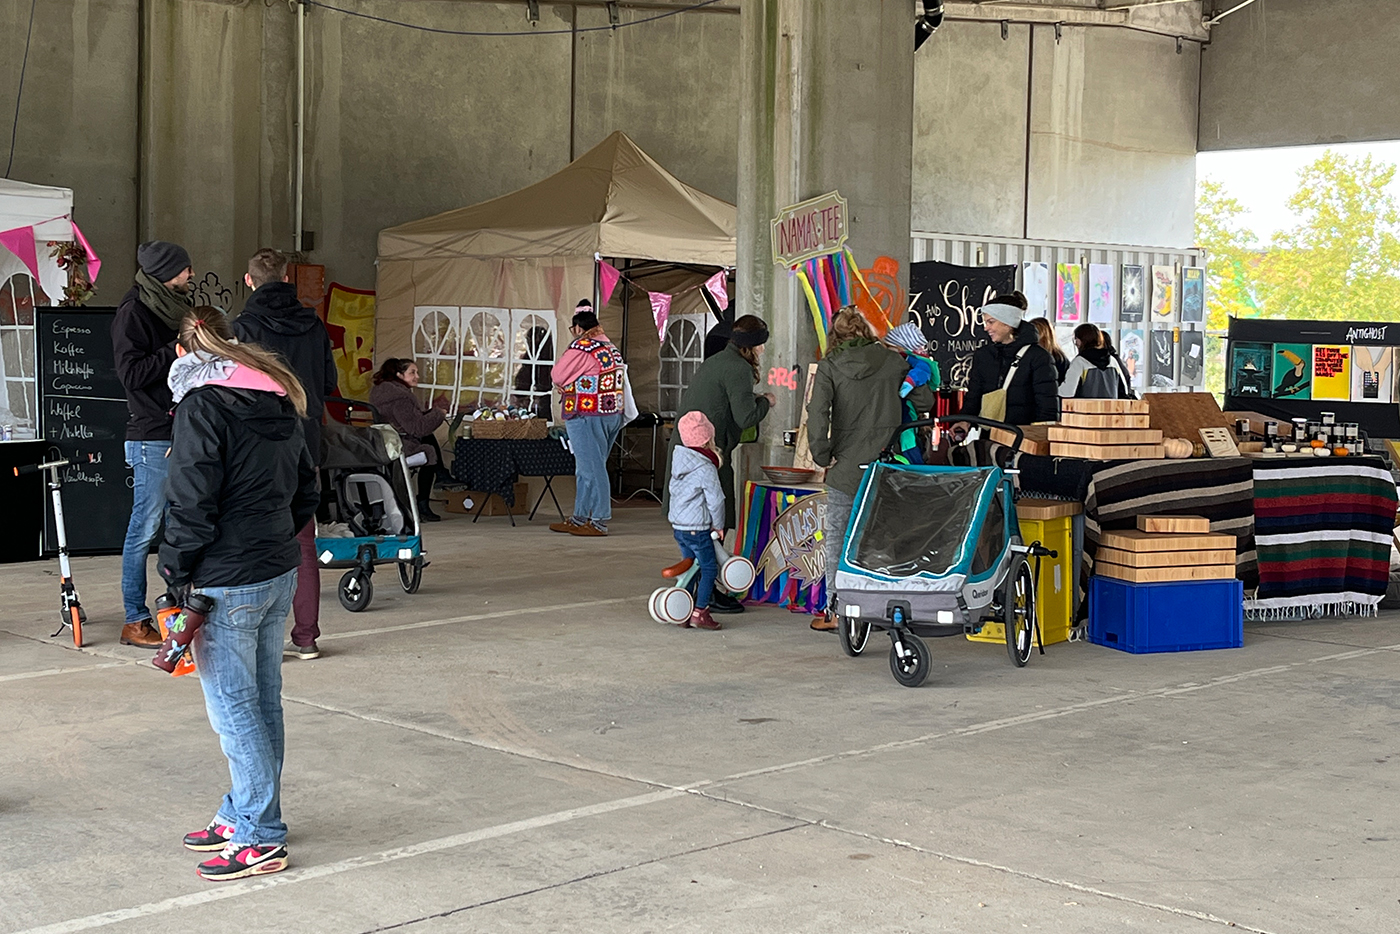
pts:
[830, 284]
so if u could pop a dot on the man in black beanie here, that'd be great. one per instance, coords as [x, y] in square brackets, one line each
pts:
[143, 342]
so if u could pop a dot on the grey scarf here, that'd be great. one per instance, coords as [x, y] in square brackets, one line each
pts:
[165, 303]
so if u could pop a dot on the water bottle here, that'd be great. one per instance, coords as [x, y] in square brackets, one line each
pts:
[181, 631]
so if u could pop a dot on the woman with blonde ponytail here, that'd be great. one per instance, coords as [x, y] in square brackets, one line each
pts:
[241, 485]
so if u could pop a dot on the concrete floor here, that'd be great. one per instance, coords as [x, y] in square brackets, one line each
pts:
[518, 747]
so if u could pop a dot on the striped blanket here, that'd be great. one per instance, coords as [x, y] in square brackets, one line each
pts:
[1220, 489]
[1323, 530]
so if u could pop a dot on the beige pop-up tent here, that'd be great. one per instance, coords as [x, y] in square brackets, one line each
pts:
[468, 292]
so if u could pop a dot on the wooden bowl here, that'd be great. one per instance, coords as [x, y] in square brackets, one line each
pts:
[789, 475]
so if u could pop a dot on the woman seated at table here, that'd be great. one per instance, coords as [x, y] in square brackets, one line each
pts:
[1096, 373]
[393, 396]
[1012, 378]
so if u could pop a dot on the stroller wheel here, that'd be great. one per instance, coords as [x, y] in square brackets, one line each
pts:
[411, 575]
[356, 590]
[854, 633]
[911, 668]
[1018, 612]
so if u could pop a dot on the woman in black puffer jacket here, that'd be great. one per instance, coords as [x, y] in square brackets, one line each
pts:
[1031, 393]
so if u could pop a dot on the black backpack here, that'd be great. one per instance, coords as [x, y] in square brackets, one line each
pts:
[1106, 383]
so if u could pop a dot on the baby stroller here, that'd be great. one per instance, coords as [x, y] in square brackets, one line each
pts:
[935, 551]
[364, 468]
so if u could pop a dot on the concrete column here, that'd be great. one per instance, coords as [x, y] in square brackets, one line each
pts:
[826, 102]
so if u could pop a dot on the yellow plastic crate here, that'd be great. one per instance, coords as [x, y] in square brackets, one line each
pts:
[1054, 589]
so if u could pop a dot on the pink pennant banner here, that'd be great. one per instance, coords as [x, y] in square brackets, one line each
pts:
[660, 311]
[715, 285]
[20, 241]
[94, 263]
[608, 277]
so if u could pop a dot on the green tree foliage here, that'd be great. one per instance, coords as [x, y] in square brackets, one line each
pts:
[1231, 256]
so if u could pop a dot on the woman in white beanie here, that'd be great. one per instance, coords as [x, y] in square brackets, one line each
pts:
[1012, 378]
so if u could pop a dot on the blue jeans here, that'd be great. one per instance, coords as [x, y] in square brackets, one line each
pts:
[238, 652]
[149, 467]
[838, 520]
[592, 437]
[701, 547]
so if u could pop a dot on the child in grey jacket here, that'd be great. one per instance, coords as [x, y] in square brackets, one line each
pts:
[697, 507]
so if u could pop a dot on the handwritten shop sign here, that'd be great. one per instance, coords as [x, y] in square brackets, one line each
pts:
[811, 228]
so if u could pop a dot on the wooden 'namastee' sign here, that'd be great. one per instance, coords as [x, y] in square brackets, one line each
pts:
[811, 228]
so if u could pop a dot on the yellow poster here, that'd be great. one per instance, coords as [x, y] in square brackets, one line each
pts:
[350, 322]
[1331, 372]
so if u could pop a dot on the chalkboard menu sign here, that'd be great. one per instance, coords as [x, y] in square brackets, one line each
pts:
[943, 300]
[82, 411]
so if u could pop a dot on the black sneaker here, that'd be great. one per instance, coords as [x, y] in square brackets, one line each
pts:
[724, 603]
[213, 837]
[239, 860]
[426, 514]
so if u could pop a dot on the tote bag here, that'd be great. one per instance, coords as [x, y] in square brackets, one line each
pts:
[994, 402]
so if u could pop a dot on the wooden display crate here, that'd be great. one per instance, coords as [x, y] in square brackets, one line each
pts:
[1093, 420]
[1104, 435]
[1106, 406]
[1161, 575]
[1042, 509]
[1034, 438]
[1108, 452]
[1133, 540]
[1162, 559]
[1189, 524]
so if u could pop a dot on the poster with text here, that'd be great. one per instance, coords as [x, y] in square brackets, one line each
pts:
[1292, 377]
[1331, 372]
[943, 301]
[1193, 294]
[1103, 293]
[1250, 368]
[1372, 374]
[1163, 359]
[1134, 295]
[1035, 285]
[1163, 293]
[1069, 293]
[1193, 358]
[1132, 351]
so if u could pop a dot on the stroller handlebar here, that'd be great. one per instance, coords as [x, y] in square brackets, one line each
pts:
[354, 404]
[952, 420]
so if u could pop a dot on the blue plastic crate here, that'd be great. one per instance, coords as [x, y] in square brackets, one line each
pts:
[1181, 616]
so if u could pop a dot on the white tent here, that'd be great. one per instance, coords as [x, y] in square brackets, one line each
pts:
[49, 211]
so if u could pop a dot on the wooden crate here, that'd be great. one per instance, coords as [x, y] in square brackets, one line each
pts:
[495, 506]
[1033, 441]
[1196, 524]
[1042, 509]
[1105, 435]
[1106, 406]
[1159, 575]
[1108, 452]
[1093, 420]
[1133, 540]
[1162, 559]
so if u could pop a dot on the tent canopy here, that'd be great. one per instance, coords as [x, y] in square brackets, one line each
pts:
[614, 200]
[48, 210]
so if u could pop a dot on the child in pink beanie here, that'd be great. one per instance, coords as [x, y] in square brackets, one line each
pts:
[697, 507]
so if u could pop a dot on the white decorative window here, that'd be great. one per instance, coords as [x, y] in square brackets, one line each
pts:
[18, 386]
[484, 356]
[681, 355]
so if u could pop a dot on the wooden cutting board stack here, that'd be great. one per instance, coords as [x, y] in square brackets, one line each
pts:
[1166, 548]
[1105, 429]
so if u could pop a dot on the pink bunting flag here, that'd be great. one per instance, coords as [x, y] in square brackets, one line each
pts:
[94, 264]
[20, 241]
[660, 311]
[715, 285]
[608, 277]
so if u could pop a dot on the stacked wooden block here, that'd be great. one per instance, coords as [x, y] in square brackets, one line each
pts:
[1105, 429]
[1166, 548]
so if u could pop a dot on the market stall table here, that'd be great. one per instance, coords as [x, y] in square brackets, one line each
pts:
[492, 465]
[780, 531]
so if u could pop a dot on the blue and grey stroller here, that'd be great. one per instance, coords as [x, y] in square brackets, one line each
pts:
[364, 468]
[935, 551]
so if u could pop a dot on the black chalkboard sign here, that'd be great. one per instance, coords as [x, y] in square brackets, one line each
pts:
[82, 410]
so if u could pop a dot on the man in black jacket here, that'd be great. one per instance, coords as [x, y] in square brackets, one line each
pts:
[276, 319]
[143, 343]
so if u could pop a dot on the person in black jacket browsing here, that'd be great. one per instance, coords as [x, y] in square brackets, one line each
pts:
[143, 347]
[274, 318]
[1031, 392]
[242, 484]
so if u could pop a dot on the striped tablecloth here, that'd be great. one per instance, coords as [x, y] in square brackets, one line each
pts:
[1323, 528]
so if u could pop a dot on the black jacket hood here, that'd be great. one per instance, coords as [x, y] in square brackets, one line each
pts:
[277, 308]
[265, 414]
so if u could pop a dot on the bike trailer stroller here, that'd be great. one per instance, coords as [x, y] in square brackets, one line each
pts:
[372, 489]
[934, 551]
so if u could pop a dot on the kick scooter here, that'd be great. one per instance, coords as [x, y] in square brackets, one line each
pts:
[71, 611]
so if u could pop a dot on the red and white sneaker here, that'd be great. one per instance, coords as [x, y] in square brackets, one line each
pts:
[210, 838]
[239, 860]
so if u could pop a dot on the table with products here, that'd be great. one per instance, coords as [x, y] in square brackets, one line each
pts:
[781, 532]
[492, 465]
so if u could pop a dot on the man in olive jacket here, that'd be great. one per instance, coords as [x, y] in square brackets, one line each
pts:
[854, 413]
